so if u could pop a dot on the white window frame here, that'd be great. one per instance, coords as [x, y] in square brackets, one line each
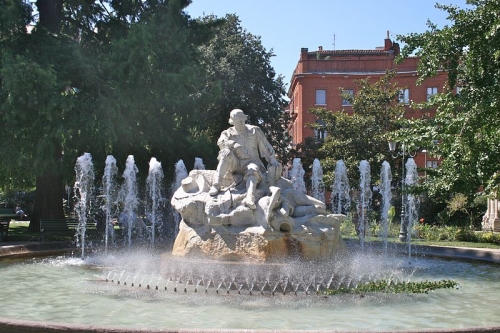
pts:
[431, 91]
[345, 102]
[320, 97]
[431, 164]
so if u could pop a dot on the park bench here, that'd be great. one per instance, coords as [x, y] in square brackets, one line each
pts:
[7, 213]
[62, 227]
[4, 228]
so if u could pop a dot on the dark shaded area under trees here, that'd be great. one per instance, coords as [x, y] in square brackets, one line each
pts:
[123, 78]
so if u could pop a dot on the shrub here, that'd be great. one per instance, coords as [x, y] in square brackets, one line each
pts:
[488, 237]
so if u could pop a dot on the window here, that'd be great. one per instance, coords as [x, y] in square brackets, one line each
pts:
[431, 91]
[320, 97]
[458, 90]
[404, 96]
[320, 133]
[349, 92]
[432, 164]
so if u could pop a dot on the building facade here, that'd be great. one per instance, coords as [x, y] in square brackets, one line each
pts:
[320, 74]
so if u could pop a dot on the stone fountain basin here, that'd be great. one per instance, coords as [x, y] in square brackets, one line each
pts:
[67, 294]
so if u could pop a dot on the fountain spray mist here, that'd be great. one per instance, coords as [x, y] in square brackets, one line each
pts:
[318, 187]
[129, 196]
[385, 191]
[365, 198]
[154, 187]
[297, 176]
[84, 186]
[109, 193]
[341, 199]
[412, 201]
[180, 174]
[198, 164]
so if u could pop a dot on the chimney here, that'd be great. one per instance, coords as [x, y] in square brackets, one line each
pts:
[320, 48]
[387, 42]
[395, 47]
[303, 53]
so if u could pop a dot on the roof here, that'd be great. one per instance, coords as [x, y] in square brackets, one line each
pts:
[345, 52]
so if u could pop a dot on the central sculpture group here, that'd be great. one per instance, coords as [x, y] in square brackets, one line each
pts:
[245, 211]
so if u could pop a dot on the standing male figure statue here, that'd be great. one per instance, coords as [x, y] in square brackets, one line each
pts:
[241, 148]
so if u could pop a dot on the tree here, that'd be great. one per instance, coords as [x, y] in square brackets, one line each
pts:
[466, 123]
[240, 72]
[115, 77]
[361, 135]
[121, 77]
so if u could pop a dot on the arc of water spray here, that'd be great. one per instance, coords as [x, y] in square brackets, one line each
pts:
[318, 187]
[412, 201]
[297, 176]
[386, 193]
[109, 189]
[180, 174]
[129, 195]
[341, 199]
[365, 197]
[154, 186]
[84, 186]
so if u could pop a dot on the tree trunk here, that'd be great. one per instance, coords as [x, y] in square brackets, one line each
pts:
[49, 191]
[50, 12]
[49, 196]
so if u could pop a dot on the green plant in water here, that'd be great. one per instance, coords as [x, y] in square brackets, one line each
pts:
[390, 286]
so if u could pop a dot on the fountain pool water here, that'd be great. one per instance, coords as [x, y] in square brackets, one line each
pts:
[73, 291]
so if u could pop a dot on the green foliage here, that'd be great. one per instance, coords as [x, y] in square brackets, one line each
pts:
[240, 73]
[125, 78]
[431, 233]
[348, 229]
[466, 124]
[361, 135]
[396, 287]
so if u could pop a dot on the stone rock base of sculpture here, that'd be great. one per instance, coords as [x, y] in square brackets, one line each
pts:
[284, 224]
[255, 244]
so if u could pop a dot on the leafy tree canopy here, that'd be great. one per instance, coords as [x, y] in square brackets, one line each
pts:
[122, 77]
[466, 125]
[239, 68]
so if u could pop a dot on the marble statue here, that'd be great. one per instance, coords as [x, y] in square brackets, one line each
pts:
[245, 210]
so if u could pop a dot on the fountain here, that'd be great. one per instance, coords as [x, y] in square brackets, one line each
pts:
[341, 199]
[412, 201]
[363, 199]
[198, 164]
[180, 174]
[129, 199]
[318, 187]
[154, 186]
[297, 176]
[84, 185]
[258, 264]
[385, 207]
[109, 194]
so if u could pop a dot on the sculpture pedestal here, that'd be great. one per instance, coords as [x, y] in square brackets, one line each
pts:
[258, 244]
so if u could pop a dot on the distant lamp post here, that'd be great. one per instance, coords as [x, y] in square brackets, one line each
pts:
[403, 152]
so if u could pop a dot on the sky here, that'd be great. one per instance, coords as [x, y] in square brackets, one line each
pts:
[286, 26]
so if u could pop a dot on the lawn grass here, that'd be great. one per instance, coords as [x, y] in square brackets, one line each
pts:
[18, 232]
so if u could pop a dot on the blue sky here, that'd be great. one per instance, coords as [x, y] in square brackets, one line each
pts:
[285, 26]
